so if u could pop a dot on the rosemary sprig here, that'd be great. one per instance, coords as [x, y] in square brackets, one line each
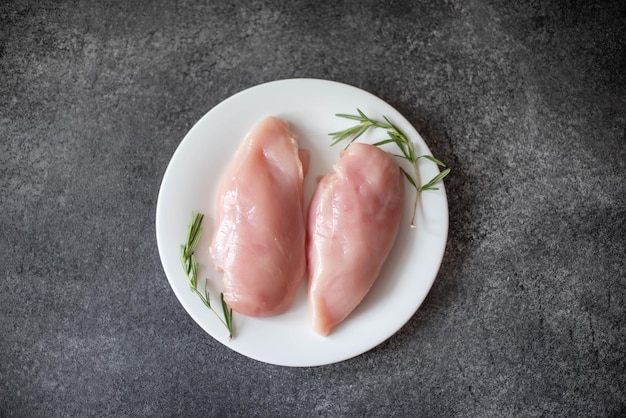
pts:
[190, 265]
[395, 136]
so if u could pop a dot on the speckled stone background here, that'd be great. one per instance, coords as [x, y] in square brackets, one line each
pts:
[526, 101]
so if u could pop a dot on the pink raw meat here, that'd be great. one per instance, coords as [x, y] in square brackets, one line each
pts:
[352, 223]
[259, 238]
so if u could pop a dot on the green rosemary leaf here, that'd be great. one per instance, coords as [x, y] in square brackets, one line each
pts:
[346, 116]
[358, 134]
[433, 159]
[402, 156]
[383, 142]
[207, 296]
[409, 178]
[392, 126]
[434, 180]
[228, 314]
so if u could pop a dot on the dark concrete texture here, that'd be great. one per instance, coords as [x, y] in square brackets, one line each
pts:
[525, 100]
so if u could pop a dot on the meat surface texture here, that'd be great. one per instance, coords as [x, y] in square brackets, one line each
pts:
[352, 223]
[259, 233]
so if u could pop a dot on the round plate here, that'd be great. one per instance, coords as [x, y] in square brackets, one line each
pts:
[190, 184]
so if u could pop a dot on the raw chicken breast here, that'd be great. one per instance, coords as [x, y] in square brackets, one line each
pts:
[259, 233]
[352, 223]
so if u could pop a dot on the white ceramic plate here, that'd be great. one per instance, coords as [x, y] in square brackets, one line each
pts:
[190, 182]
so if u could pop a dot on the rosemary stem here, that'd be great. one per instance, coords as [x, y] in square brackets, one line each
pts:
[417, 194]
[208, 305]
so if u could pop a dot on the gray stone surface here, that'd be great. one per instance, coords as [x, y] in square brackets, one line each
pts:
[525, 100]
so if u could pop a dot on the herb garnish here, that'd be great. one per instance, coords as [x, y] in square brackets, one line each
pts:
[396, 136]
[190, 265]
